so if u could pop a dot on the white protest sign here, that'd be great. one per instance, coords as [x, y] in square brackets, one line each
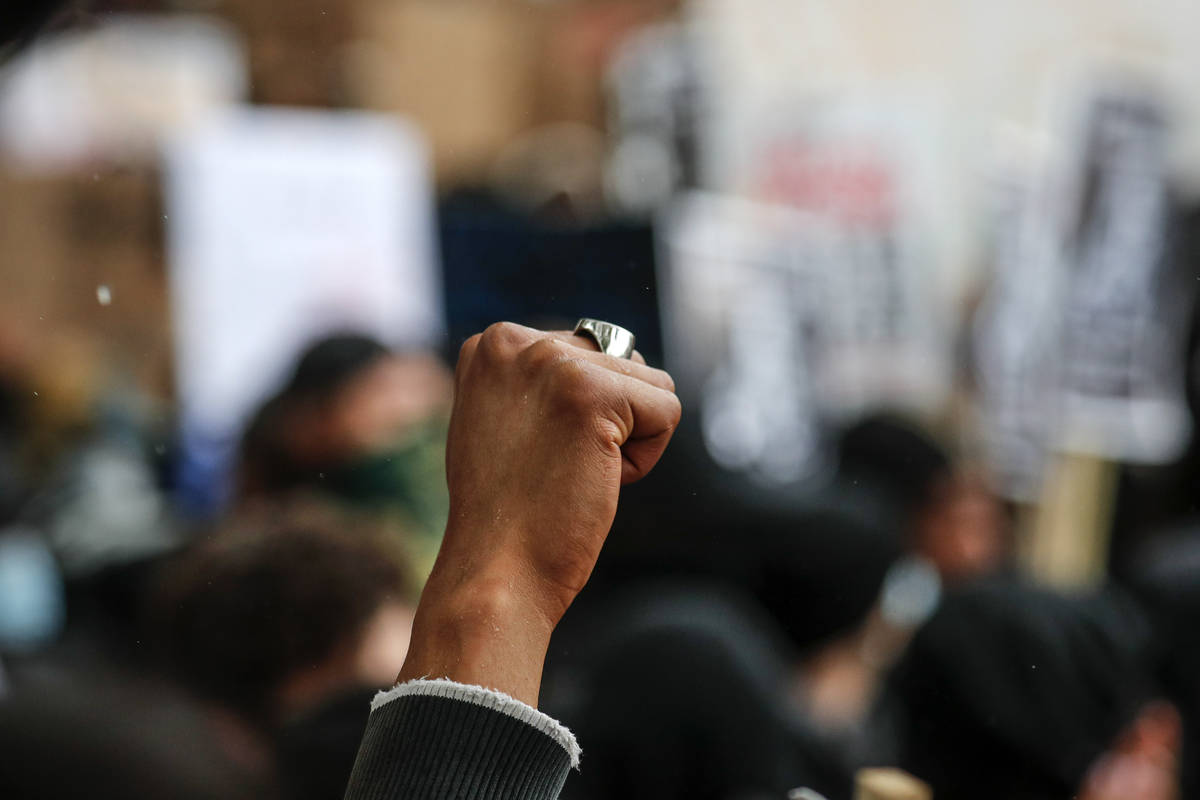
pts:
[784, 323]
[1122, 378]
[285, 225]
[734, 313]
[1016, 336]
[1079, 342]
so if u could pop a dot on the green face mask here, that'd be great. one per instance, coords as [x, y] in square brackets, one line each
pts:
[408, 477]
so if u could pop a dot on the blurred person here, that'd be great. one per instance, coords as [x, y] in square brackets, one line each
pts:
[1165, 576]
[1012, 691]
[314, 751]
[282, 608]
[768, 626]
[823, 579]
[933, 527]
[286, 622]
[82, 732]
[76, 455]
[818, 573]
[361, 424]
[709, 678]
[948, 515]
[13, 398]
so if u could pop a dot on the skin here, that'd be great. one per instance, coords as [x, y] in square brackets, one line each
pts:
[544, 432]
[1143, 764]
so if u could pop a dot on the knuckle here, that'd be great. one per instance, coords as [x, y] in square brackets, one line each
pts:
[498, 341]
[540, 355]
[468, 348]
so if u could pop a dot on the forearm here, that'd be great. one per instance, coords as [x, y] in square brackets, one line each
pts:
[461, 721]
[544, 432]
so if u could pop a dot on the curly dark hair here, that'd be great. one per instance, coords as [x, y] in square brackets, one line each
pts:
[266, 597]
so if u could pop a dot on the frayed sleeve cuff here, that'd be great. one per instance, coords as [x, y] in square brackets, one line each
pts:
[437, 739]
[486, 698]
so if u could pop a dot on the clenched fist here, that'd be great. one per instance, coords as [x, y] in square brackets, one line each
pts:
[545, 430]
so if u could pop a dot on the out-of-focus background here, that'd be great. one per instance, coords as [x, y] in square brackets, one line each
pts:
[926, 274]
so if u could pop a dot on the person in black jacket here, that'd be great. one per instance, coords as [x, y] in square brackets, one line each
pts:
[1016, 691]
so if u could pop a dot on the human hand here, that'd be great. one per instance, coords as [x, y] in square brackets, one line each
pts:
[1144, 763]
[543, 433]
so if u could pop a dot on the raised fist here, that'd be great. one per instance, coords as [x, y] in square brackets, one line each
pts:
[544, 432]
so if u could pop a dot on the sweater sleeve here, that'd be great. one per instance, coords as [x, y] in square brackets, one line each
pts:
[437, 740]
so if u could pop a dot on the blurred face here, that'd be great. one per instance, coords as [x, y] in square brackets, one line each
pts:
[372, 410]
[377, 406]
[961, 530]
[384, 644]
[370, 659]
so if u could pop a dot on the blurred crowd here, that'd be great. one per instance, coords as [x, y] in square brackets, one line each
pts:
[943, 521]
[882, 621]
[243, 651]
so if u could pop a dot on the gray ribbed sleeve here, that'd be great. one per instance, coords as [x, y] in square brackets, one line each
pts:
[435, 740]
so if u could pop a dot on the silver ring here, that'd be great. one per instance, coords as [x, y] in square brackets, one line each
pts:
[611, 339]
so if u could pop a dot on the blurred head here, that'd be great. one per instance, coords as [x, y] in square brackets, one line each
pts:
[279, 611]
[960, 528]
[895, 457]
[949, 517]
[92, 736]
[349, 396]
[1011, 691]
[820, 571]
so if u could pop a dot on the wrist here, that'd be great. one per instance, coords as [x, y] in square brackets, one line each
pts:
[503, 575]
[483, 631]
